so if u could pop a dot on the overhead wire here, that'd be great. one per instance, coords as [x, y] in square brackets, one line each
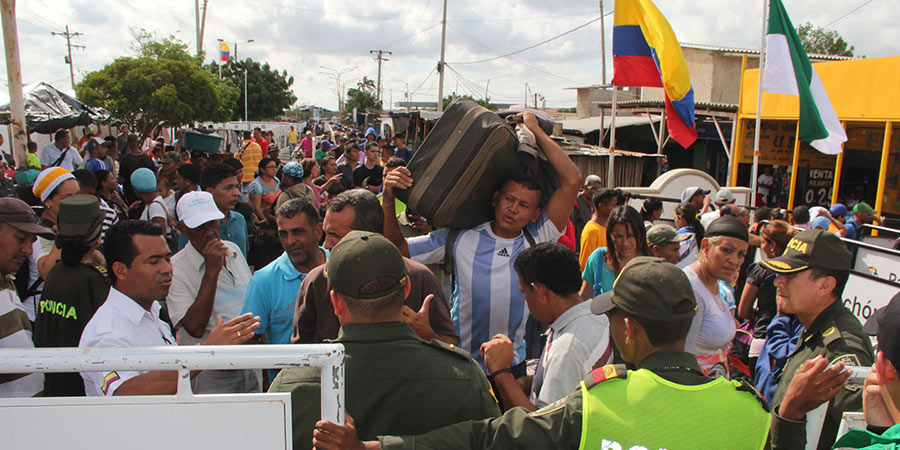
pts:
[545, 41]
[848, 13]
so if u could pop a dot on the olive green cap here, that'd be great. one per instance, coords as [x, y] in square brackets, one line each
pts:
[360, 258]
[650, 288]
[170, 157]
[80, 216]
[662, 233]
[811, 249]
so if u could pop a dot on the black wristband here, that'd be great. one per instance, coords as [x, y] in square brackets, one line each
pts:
[498, 372]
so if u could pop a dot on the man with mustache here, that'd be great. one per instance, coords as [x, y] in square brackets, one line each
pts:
[137, 261]
[273, 289]
[18, 230]
[210, 279]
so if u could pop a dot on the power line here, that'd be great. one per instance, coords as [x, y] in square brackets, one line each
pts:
[535, 45]
[848, 13]
[422, 83]
[69, 35]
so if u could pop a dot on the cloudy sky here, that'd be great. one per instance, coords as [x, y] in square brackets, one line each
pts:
[300, 36]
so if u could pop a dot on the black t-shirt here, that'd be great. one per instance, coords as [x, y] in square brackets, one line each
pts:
[127, 165]
[71, 296]
[335, 189]
[347, 175]
[362, 172]
[764, 280]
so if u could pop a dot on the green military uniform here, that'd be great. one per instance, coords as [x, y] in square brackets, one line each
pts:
[837, 335]
[395, 384]
[558, 425]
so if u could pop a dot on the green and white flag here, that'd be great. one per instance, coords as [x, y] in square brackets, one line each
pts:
[788, 71]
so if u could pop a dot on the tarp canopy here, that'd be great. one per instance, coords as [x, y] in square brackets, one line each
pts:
[48, 109]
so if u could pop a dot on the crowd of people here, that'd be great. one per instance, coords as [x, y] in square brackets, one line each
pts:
[575, 322]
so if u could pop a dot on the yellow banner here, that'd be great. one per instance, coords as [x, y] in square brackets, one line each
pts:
[776, 145]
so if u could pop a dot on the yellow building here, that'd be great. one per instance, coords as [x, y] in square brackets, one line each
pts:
[865, 94]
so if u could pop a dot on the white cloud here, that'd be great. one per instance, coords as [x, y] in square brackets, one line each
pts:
[301, 36]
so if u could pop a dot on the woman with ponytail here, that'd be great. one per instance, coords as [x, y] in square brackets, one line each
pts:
[687, 220]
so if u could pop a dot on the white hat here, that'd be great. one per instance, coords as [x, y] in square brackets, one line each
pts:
[724, 197]
[196, 208]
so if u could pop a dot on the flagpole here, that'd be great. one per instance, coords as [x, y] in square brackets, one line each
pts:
[762, 64]
[610, 173]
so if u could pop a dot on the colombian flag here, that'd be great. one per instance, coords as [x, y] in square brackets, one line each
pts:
[223, 51]
[646, 53]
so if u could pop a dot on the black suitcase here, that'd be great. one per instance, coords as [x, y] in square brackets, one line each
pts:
[461, 163]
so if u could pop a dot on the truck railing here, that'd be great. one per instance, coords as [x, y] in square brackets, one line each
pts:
[329, 358]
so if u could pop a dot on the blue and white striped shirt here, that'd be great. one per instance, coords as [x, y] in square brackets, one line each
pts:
[486, 296]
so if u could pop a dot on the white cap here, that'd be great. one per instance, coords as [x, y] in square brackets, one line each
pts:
[196, 208]
[724, 197]
[689, 193]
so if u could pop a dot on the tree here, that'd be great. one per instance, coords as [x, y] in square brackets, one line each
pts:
[269, 92]
[361, 100]
[823, 41]
[486, 103]
[366, 85]
[163, 85]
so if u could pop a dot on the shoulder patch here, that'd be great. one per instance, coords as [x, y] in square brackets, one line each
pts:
[830, 335]
[747, 387]
[848, 359]
[604, 373]
[449, 348]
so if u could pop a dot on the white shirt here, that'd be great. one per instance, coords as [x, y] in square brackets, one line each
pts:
[708, 218]
[15, 332]
[486, 297]
[577, 342]
[189, 266]
[121, 322]
[766, 180]
[713, 327]
[50, 154]
[156, 208]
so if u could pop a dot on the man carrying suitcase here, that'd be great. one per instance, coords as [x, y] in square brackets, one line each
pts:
[486, 296]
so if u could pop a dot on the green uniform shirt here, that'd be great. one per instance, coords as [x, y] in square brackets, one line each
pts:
[71, 296]
[557, 425]
[837, 335]
[395, 384]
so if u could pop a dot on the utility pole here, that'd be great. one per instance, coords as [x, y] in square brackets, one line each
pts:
[380, 58]
[440, 67]
[14, 75]
[200, 20]
[602, 44]
[486, 90]
[69, 45]
[340, 87]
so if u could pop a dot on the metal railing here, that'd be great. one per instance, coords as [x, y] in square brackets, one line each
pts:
[329, 358]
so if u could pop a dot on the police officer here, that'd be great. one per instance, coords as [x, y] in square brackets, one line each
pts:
[396, 383]
[812, 273]
[666, 403]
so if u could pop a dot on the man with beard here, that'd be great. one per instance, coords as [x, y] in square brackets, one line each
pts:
[273, 289]
[137, 261]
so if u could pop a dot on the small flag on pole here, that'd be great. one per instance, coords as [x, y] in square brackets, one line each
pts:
[789, 71]
[223, 51]
[647, 53]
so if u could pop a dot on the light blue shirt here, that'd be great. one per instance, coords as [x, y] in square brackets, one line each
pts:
[272, 295]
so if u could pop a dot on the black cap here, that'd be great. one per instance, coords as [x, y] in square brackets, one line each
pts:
[811, 248]
[883, 325]
[651, 288]
[728, 226]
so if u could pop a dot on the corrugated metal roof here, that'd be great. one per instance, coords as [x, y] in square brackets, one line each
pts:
[755, 51]
[726, 107]
[594, 123]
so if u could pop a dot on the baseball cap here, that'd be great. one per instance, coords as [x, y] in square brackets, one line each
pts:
[397, 136]
[724, 196]
[650, 288]
[49, 179]
[80, 216]
[863, 207]
[662, 233]
[196, 208]
[170, 157]
[689, 193]
[882, 324]
[18, 214]
[821, 223]
[838, 209]
[326, 142]
[360, 258]
[811, 248]
[143, 180]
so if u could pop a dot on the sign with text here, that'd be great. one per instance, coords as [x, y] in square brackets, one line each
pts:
[776, 145]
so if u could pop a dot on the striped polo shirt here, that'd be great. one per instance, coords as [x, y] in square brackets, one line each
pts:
[15, 332]
[486, 296]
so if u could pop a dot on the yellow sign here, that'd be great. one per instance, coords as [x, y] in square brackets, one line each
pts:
[776, 145]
